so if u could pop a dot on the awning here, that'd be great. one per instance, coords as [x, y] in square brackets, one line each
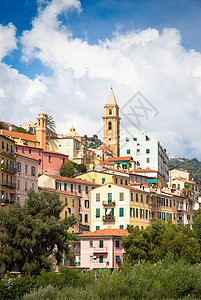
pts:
[124, 162]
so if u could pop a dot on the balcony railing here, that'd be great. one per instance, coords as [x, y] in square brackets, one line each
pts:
[8, 152]
[100, 250]
[9, 183]
[109, 218]
[109, 203]
[7, 201]
[8, 168]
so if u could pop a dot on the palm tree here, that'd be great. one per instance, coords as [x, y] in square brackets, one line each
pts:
[50, 126]
[187, 190]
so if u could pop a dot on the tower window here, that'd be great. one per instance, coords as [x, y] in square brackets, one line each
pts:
[110, 112]
[110, 126]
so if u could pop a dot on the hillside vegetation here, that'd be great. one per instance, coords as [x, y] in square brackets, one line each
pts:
[191, 165]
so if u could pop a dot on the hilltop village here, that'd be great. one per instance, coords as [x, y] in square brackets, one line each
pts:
[127, 182]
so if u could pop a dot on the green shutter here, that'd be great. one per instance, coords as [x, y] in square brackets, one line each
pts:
[100, 259]
[97, 212]
[103, 180]
[113, 212]
[121, 211]
[101, 244]
[97, 227]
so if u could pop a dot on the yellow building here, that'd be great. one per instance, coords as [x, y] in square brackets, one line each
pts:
[111, 125]
[116, 206]
[8, 170]
[71, 206]
[106, 177]
[125, 163]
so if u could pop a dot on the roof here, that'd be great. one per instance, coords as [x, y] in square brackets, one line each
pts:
[144, 170]
[122, 158]
[28, 157]
[104, 147]
[186, 181]
[128, 187]
[72, 132]
[105, 232]
[57, 191]
[23, 136]
[54, 152]
[106, 162]
[76, 180]
[111, 98]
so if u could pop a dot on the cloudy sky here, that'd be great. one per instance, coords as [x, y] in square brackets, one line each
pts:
[66, 54]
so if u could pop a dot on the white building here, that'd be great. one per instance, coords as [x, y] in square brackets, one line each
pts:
[148, 153]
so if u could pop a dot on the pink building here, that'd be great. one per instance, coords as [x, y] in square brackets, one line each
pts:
[79, 187]
[102, 248]
[26, 176]
[48, 161]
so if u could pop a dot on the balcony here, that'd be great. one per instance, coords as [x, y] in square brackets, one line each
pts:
[100, 250]
[108, 218]
[109, 203]
[180, 207]
[8, 168]
[9, 184]
[7, 152]
[7, 201]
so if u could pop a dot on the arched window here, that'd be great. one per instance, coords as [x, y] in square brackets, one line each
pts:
[110, 112]
[110, 126]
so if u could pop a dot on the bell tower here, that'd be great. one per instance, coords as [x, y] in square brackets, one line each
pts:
[41, 129]
[111, 125]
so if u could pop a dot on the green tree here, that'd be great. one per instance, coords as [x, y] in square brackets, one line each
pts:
[22, 130]
[50, 125]
[197, 226]
[156, 241]
[33, 236]
[187, 190]
[81, 168]
[67, 169]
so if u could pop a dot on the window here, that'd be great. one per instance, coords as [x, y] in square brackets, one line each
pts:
[49, 158]
[66, 202]
[121, 212]
[121, 196]
[126, 182]
[131, 196]
[121, 181]
[163, 216]
[33, 171]
[30, 151]
[128, 151]
[39, 152]
[97, 227]
[135, 139]
[170, 203]
[116, 180]
[73, 203]
[7, 147]
[18, 184]
[103, 180]
[147, 199]
[118, 259]
[188, 217]
[132, 212]
[174, 202]
[86, 203]
[80, 202]
[100, 259]
[91, 258]
[71, 188]
[117, 244]
[147, 150]
[110, 126]
[80, 217]
[57, 185]
[90, 244]
[136, 212]
[25, 185]
[136, 197]
[148, 160]
[65, 186]
[19, 167]
[97, 197]
[142, 213]
[86, 189]
[166, 202]
[79, 188]
[65, 214]
[26, 169]
[22, 150]
[110, 112]
[147, 214]
[109, 198]
[127, 139]
[63, 160]
[97, 212]
[4, 146]
[33, 186]
[101, 244]
[141, 198]
[86, 218]
[121, 226]
[178, 186]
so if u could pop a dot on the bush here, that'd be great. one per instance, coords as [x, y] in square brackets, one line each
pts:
[42, 293]
[67, 169]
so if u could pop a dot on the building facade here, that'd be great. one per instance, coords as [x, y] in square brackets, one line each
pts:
[148, 153]
[102, 248]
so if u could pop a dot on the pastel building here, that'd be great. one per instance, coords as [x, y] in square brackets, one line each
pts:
[7, 171]
[181, 184]
[148, 153]
[76, 186]
[26, 177]
[48, 161]
[102, 248]
[115, 206]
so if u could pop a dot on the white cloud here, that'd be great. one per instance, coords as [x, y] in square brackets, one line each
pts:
[7, 39]
[152, 62]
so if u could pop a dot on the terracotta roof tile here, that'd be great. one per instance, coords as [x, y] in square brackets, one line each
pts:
[144, 170]
[57, 191]
[23, 136]
[76, 180]
[106, 232]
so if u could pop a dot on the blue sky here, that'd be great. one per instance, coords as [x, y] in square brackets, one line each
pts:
[65, 54]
